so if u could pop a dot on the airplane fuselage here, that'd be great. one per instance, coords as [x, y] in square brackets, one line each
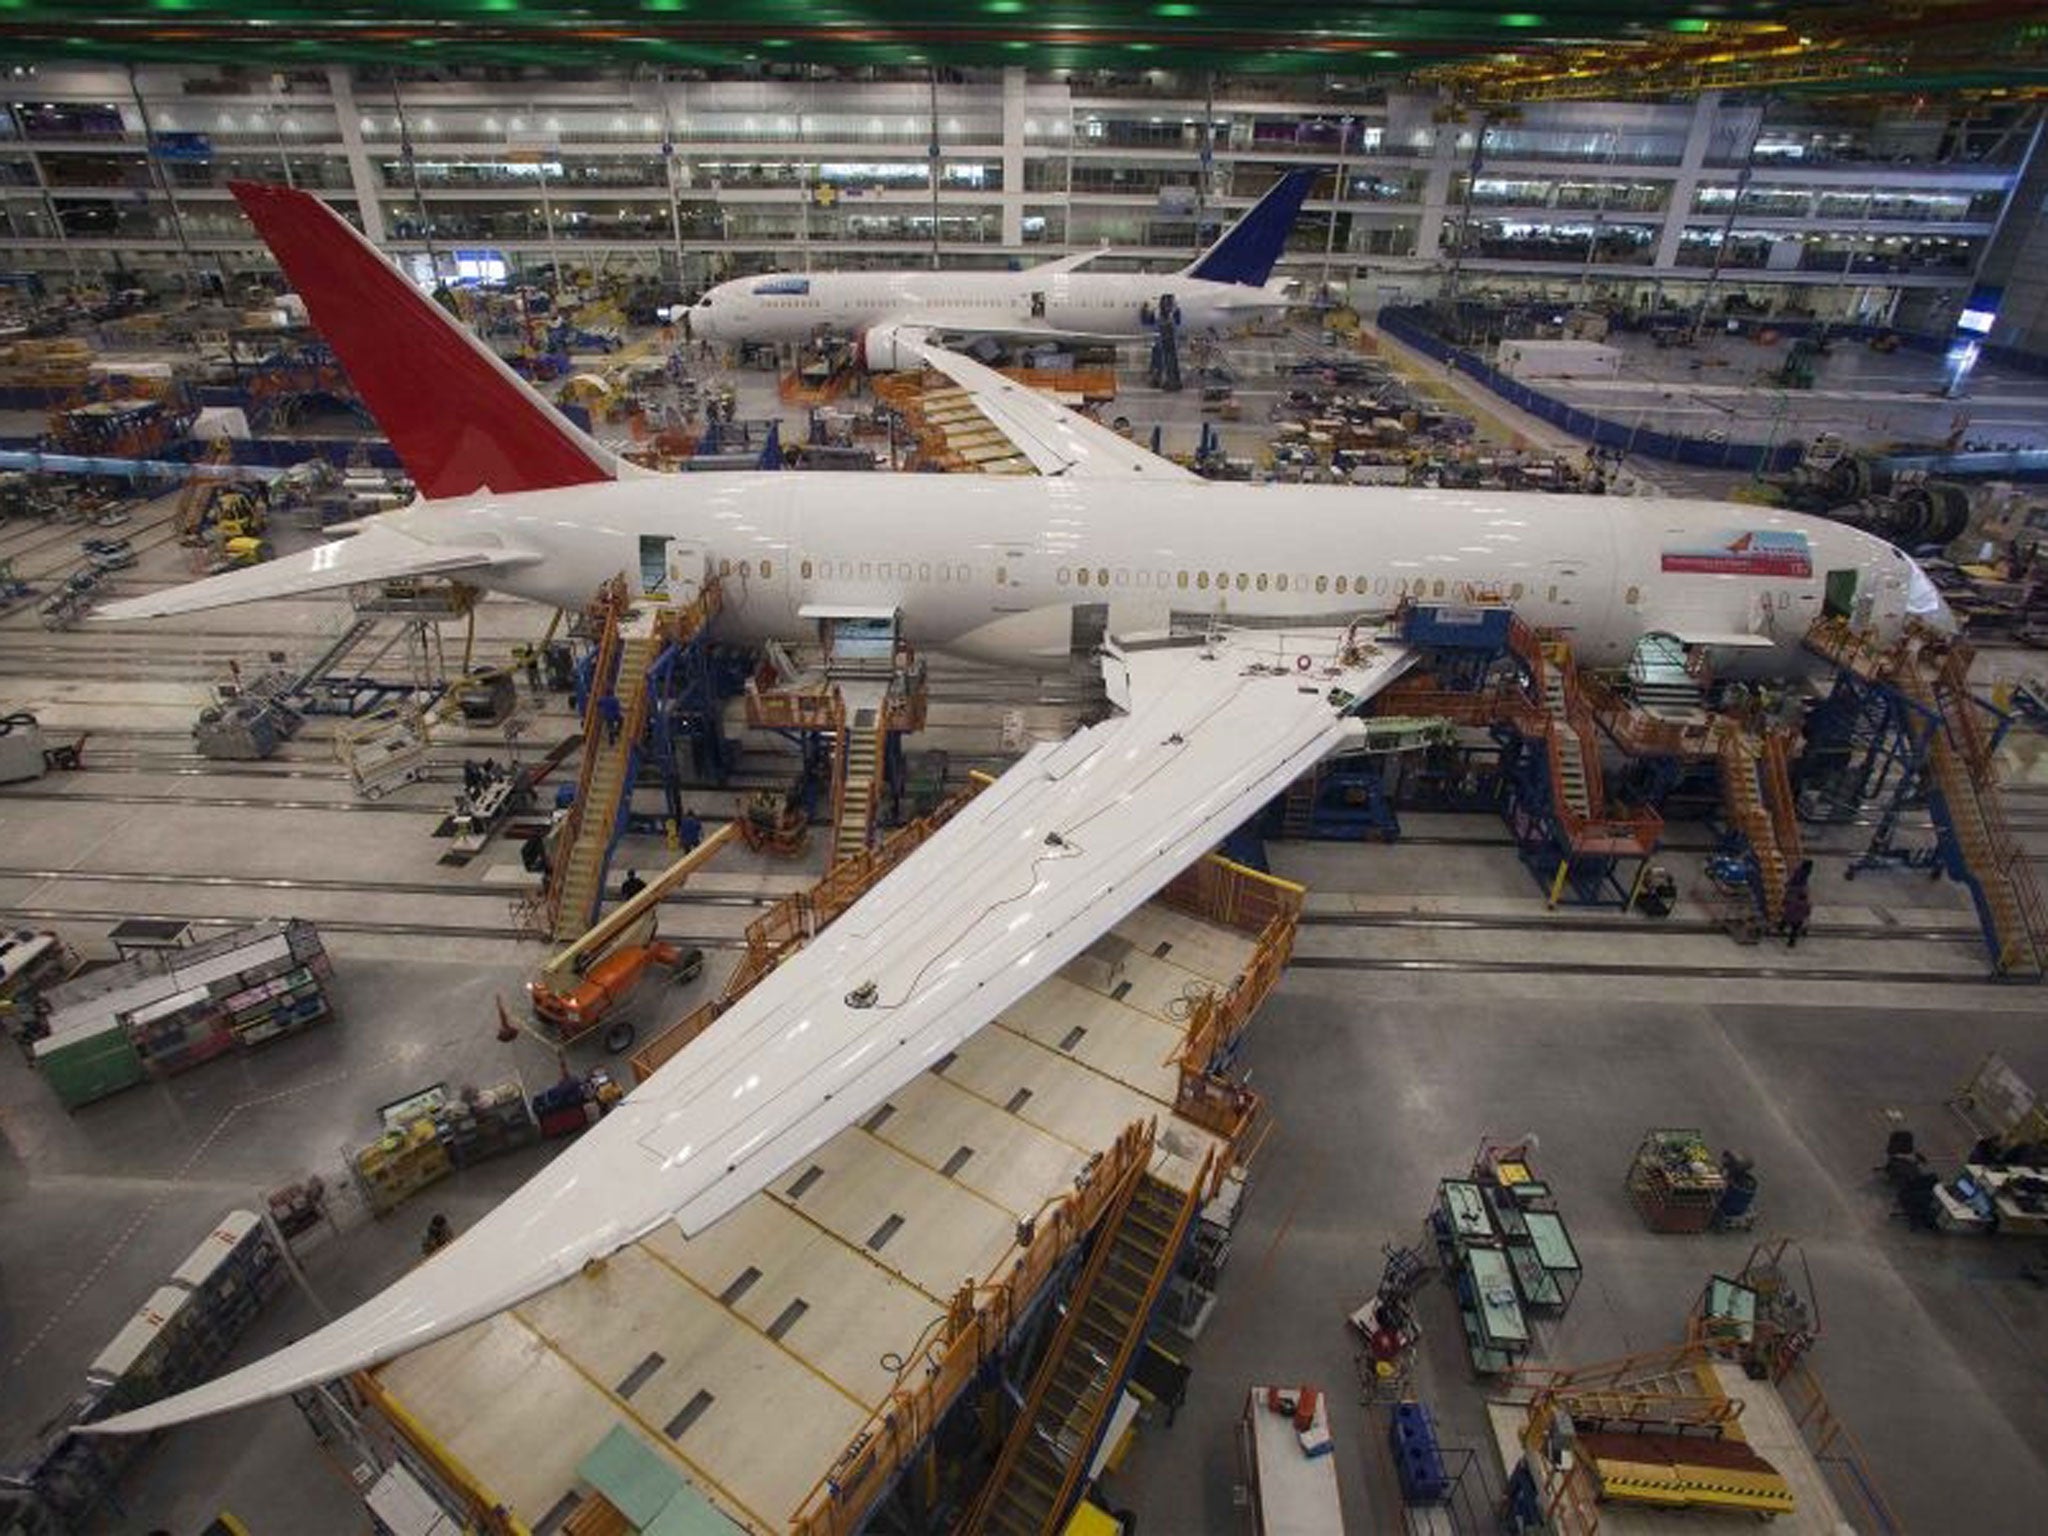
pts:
[1007, 569]
[1097, 306]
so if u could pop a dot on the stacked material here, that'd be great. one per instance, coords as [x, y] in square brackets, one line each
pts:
[1675, 1182]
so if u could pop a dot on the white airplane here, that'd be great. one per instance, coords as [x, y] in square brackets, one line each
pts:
[1245, 626]
[1222, 290]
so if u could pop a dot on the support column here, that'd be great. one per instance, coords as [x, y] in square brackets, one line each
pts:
[1436, 189]
[1013, 155]
[362, 174]
[1699, 139]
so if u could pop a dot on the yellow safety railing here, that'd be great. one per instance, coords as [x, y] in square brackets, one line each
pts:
[487, 1515]
[1113, 1370]
[935, 1376]
[796, 919]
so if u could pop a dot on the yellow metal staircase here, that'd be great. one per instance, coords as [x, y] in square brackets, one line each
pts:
[579, 863]
[628, 644]
[856, 782]
[1959, 762]
[1756, 797]
[1047, 1453]
[1575, 769]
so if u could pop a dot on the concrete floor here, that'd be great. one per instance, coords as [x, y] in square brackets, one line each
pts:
[1724, 384]
[1381, 1081]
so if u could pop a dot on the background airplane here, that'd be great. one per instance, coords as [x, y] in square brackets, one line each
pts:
[1265, 606]
[1223, 289]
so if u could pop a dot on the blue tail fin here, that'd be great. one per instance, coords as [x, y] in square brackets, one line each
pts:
[1251, 246]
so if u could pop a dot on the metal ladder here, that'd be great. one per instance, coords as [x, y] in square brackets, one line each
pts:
[857, 790]
[1575, 776]
[1959, 762]
[604, 788]
[1742, 800]
[1045, 1458]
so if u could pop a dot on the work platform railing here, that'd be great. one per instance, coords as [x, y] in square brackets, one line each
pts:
[793, 922]
[976, 1332]
[1569, 729]
[1931, 672]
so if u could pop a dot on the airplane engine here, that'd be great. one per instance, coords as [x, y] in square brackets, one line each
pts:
[880, 351]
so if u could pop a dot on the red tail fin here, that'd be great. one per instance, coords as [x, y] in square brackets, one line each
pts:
[460, 419]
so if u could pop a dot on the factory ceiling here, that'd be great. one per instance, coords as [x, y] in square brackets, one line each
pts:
[1476, 48]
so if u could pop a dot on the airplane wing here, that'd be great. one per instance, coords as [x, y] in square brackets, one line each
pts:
[1056, 440]
[378, 553]
[1022, 879]
[1072, 262]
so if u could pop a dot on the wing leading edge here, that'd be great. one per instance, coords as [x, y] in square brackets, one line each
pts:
[1070, 840]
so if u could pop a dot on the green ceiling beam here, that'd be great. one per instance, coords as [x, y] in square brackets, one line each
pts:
[1361, 37]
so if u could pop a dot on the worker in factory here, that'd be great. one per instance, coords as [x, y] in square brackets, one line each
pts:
[1798, 908]
[631, 886]
[613, 717]
[439, 1235]
[689, 831]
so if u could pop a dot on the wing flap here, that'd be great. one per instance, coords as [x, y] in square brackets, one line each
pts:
[1021, 880]
[378, 553]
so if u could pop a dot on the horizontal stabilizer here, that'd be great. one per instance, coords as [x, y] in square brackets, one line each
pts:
[379, 553]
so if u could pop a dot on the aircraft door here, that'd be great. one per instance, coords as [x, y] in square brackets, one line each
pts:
[672, 569]
[1840, 601]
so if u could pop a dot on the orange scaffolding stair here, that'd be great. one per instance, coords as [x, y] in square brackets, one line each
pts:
[1756, 797]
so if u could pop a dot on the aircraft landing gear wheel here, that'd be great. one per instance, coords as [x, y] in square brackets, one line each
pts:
[619, 1038]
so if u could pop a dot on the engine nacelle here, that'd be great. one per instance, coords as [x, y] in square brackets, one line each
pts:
[884, 349]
